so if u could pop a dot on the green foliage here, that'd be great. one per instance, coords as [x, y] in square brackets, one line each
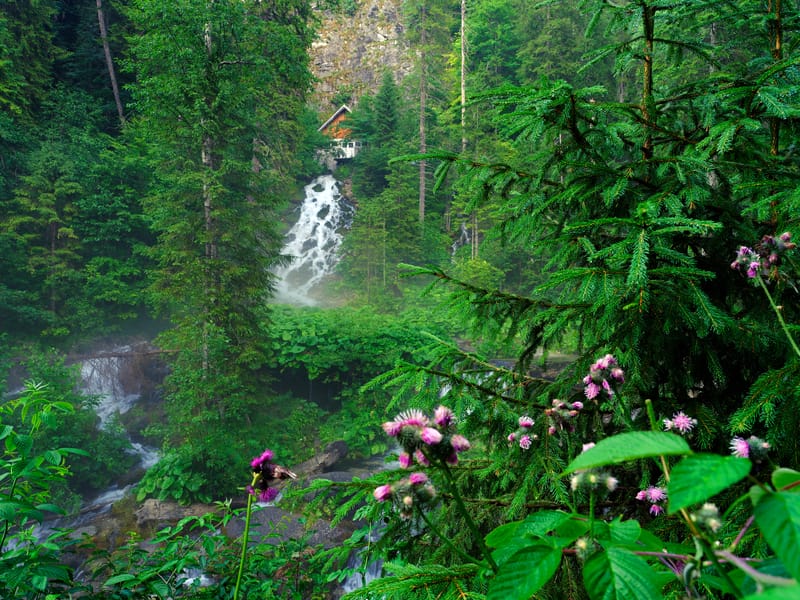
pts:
[179, 475]
[30, 566]
[177, 556]
[104, 453]
[629, 446]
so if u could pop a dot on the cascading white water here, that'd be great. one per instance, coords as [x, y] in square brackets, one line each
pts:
[102, 377]
[313, 242]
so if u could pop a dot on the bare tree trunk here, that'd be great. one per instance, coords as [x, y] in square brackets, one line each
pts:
[648, 115]
[101, 20]
[463, 75]
[207, 160]
[474, 217]
[776, 38]
[423, 101]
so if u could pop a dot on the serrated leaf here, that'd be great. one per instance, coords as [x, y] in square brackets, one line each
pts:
[629, 446]
[624, 532]
[537, 524]
[53, 457]
[617, 574]
[778, 593]
[8, 510]
[524, 573]
[786, 479]
[778, 516]
[161, 589]
[123, 578]
[698, 477]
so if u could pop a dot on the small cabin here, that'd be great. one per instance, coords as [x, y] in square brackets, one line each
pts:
[342, 147]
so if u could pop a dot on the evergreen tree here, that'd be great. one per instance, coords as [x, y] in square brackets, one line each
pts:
[638, 205]
[219, 88]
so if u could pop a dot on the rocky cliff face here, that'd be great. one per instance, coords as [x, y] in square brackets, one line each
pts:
[352, 51]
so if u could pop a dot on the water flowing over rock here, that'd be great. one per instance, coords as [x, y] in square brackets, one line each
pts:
[313, 242]
[118, 378]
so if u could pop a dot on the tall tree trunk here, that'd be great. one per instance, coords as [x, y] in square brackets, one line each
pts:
[207, 160]
[648, 105]
[776, 40]
[423, 101]
[101, 20]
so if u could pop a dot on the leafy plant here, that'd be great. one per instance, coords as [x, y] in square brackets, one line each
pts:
[30, 557]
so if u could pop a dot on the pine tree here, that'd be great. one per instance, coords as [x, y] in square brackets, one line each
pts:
[220, 86]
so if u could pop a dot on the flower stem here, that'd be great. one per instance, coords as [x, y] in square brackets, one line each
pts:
[447, 540]
[245, 535]
[709, 552]
[470, 523]
[779, 315]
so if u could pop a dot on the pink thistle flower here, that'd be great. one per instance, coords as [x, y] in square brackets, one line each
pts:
[525, 442]
[740, 447]
[680, 422]
[392, 428]
[577, 405]
[430, 436]
[382, 493]
[421, 458]
[512, 436]
[459, 443]
[417, 478]
[642, 495]
[592, 390]
[412, 418]
[526, 422]
[452, 459]
[404, 459]
[752, 270]
[618, 374]
[258, 461]
[268, 495]
[551, 430]
[655, 494]
[607, 387]
[443, 416]
[656, 509]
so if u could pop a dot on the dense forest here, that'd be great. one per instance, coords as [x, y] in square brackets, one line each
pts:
[606, 186]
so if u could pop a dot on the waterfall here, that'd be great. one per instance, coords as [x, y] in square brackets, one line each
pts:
[115, 381]
[313, 242]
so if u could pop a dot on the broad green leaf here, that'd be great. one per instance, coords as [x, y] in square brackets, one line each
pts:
[698, 477]
[123, 578]
[778, 516]
[777, 593]
[625, 532]
[50, 508]
[161, 589]
[53, 457]
[524, 573]
[537, 524]
[630, 446]
[8, 510]
[786, 479]
[39, 582]
[617, 574]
